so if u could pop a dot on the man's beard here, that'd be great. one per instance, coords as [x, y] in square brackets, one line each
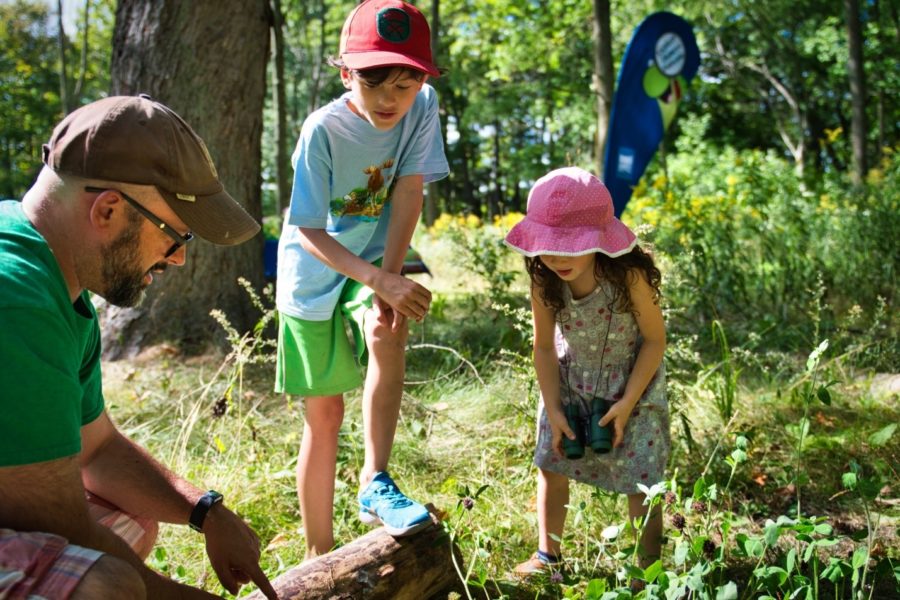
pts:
[121, 272]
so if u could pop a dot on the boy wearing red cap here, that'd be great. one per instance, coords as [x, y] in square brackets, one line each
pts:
[360, 166]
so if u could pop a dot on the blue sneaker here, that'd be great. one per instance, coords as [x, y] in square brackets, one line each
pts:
[382, 502]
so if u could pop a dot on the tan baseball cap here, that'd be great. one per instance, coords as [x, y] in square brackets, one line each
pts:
[134, 139]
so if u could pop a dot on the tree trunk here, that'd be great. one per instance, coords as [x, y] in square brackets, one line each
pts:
[496, 199]
[63, 66]
[85, 44]
[857, 89]
[430, 212]
[318, 62]
[456, 103]
[603, 76]
[282, 163]
[207, 61]
[375, 566]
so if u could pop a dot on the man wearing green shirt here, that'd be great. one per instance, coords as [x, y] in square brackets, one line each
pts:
[126, 184]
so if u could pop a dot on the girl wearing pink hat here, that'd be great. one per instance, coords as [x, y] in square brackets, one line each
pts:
[599, 340]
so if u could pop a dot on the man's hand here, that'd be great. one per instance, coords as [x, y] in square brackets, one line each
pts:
[559, 426]
[403, 295]
[233, 550]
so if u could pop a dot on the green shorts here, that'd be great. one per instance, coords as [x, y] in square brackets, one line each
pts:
[315, 357]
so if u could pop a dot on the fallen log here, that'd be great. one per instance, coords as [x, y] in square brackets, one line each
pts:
[376, 566]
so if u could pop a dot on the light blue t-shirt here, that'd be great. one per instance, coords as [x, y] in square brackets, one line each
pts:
[344, 173]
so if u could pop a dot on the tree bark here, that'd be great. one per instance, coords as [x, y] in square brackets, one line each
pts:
[207, 61]
[375, 566]
[282, 164]
[857, 90]
[603, 77]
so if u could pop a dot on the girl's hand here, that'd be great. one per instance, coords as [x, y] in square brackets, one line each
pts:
[559, 427]
[618, 414]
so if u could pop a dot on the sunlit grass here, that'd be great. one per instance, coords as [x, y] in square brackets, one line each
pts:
[474, 427]
[468, 421]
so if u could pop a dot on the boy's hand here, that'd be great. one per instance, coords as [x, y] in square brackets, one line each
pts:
[403, 295]
[387, 315]
[559, 426]
[618, 413]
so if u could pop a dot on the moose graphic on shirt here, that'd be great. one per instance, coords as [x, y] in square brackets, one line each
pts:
[366, 202]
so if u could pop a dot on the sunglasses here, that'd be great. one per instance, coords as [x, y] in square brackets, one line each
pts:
[180, 240]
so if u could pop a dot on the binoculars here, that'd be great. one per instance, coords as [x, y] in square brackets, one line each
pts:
[587, 430]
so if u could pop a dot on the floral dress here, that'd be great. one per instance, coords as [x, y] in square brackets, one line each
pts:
[597, 349]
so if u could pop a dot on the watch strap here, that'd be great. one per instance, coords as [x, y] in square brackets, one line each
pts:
[206, 502]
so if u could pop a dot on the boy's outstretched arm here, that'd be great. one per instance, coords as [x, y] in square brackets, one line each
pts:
[406, 208]
[404, 295]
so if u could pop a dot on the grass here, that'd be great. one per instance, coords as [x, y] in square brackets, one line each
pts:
[468, 422]
[467, 429]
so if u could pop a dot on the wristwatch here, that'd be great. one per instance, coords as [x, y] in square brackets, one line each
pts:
[206, 502]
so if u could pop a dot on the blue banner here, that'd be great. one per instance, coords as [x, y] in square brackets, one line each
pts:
[660, 60]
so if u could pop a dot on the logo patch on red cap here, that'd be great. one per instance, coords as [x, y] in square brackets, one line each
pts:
[392, 24]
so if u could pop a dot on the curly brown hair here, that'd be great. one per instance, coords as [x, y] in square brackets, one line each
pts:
[614, 270]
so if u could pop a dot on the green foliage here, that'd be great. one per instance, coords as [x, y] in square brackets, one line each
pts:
[518, 98]
[745, 241]
[749, 249]
[31, 92]
[480, 250]
[29, 76]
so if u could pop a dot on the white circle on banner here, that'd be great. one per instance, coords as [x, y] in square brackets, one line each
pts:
[670, 53]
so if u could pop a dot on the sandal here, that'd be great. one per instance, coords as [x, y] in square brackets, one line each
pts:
[535, 566]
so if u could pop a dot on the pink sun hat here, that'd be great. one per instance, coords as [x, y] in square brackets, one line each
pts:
[570, 213]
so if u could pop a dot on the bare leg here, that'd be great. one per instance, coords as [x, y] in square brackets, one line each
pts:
[382, 393]
[316, 465]
[146, 543]
[651, 539]
[110, 577]
[553, 496]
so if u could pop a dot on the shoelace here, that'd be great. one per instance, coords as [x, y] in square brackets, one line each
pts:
[389, 493]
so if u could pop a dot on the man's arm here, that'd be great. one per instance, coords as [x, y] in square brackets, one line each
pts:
[49, 497]
[125, 474]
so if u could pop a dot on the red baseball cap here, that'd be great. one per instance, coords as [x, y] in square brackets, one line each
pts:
[387, 33]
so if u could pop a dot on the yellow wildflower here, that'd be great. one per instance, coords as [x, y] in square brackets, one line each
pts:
[472, 222]
[660, 182]
[832, 135]
[875, 176]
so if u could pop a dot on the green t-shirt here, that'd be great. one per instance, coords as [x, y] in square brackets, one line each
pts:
[50, 381]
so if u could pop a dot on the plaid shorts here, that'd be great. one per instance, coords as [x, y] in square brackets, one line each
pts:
[43, 566]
